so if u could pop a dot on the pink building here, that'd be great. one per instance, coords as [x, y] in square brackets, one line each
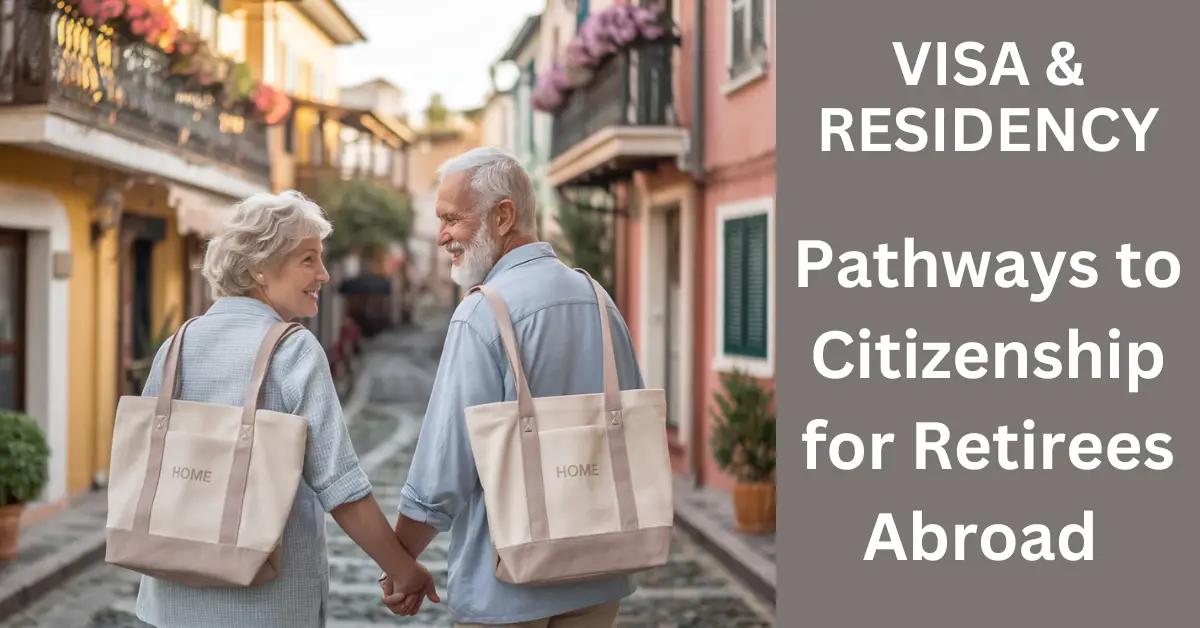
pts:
[686, 156]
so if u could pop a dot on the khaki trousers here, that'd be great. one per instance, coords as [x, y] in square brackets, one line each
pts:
[599, 616]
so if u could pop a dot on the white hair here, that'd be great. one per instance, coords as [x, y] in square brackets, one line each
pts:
[264, 228]
[494, 175]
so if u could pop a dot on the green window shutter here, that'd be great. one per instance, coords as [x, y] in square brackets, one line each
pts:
[746, 287]
[735, 236]
[756, 286]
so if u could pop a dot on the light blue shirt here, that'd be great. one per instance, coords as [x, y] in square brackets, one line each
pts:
[553, 309]
[214, 365]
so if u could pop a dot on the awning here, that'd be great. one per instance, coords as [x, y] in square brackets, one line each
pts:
[198, 212]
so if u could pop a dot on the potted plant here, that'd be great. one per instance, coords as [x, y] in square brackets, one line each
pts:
[23, 461]
[743, 442]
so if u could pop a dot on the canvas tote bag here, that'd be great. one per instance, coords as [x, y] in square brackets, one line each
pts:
[576, 486]
[199, 492]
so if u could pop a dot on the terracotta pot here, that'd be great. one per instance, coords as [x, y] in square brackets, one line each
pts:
[10, 525]
[754, 506]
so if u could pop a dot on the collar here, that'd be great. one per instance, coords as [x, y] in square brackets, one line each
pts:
[243, 305]
[520, 255]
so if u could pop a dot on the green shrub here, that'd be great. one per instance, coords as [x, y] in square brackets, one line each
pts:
[743, 438]
[23, 458]
[367, 217]
[587, 236]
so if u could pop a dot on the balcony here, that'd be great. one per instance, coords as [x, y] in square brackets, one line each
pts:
[310, 177]
[624, 120]
[366, 146]
[88, 92]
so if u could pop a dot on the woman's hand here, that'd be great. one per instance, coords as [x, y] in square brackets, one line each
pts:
[404, 594]
[409, 582]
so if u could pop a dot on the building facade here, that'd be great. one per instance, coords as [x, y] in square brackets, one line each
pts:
[109, 181]
[678, 137]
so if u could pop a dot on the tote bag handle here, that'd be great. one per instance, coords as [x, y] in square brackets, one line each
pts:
[530, 440]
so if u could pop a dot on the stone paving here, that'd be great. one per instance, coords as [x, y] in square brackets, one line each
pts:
[384, 413]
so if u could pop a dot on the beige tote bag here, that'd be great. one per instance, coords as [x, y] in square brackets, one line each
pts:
[576, 486]
[198, 492]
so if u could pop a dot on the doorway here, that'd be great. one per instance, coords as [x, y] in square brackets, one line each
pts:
[666, 319]
[12, 319]
[672, 368]
[138, 341]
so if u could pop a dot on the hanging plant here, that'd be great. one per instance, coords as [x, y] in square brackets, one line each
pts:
[602, 35]
[192, 58]
[102, 11]
[239, 84]
[270, 105]
[145, 20]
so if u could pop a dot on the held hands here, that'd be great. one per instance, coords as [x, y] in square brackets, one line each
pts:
[404, 594]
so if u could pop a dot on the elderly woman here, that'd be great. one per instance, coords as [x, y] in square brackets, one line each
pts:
[266, 267]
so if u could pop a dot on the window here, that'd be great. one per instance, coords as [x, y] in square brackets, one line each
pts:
[747, 39]
[290, 70]
[318, 86]
[206, 18]
[745, 325]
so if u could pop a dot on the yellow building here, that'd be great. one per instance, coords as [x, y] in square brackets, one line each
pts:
[293, 46]
[110, 179]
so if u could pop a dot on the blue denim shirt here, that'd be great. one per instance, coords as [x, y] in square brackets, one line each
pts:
[553, 309]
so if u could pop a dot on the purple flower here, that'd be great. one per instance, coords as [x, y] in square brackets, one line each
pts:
[649, 22]
[559, 78]
[623, 27]
[546, 97]
[577, 55]
[601, 35]
[595, 38]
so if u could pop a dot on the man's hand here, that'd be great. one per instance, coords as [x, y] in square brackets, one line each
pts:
[405, 593]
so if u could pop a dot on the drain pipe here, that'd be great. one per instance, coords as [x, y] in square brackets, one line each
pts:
[697, 122]
[694, 446]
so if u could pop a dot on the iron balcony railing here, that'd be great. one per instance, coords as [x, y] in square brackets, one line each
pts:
[99, 78]
[631, 88]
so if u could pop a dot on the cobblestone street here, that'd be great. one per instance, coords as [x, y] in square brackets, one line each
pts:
[384, 413]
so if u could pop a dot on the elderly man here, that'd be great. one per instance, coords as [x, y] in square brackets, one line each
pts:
[486, 206]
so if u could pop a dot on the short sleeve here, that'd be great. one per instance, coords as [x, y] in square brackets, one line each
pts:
[154, 379]
[443, 476]
[331, 466]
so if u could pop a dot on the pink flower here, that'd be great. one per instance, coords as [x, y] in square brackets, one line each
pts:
[135, 9]
[140, 27]
[279, 109]
[88, 8]
[100, 10]
[270, 103]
